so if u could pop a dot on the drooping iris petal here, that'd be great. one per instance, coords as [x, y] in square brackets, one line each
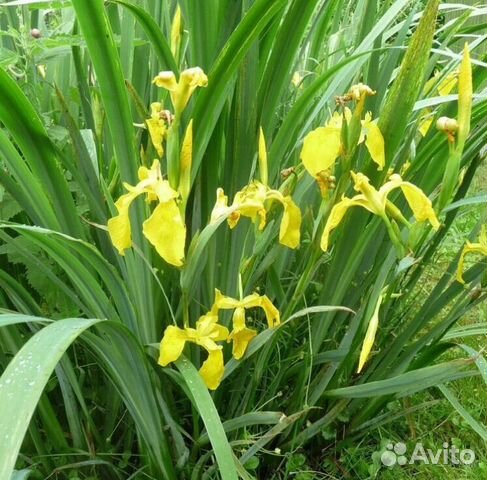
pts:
[374, 141]
[419, 203]
[166, 231]
[119, 226]
[213, 368]
[290, 229]
[321, 148]
[271, 312]
[240, 335]
[240, 341]
[336, 216]
[172, 345]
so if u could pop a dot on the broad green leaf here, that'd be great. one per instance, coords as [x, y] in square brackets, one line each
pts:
[209, 414]
[24, 380]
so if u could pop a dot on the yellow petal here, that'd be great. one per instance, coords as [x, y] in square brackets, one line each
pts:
[419, 203]
[166, 231]
[369, 336]
[166, 80]
[212, 369]
[336, 216]
[172, 345]
[271, 312]
[238, 318]
[290, 230]
[469, 248]
[241, 335]
[241, 339]
[374, 142]
[119, 226]
[321, 148]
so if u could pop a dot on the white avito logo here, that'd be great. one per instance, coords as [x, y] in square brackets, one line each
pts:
[396, 454]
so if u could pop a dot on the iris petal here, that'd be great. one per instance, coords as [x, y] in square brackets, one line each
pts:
[212, 369]
[321, 148]
[166, 231]
[172, 345]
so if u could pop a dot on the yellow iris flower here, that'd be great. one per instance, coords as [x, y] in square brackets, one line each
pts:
[165, 228]
[157, 127]
[206, 334]
[480, 247]
[323, 146]
[241, 335]
[253, 202]
[208, 331]
[181, 90]
[375, 201]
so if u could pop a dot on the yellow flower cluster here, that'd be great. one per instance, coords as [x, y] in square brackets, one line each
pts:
[165, 228]
[208, 331]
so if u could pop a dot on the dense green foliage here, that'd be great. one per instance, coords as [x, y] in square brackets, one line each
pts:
[81, 393]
